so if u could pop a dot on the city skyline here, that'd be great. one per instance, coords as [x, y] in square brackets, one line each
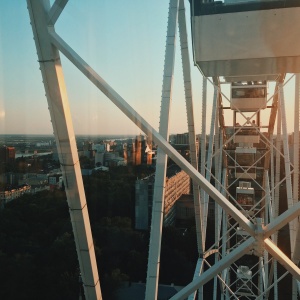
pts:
[124, 43]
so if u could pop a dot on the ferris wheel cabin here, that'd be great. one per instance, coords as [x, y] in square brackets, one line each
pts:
[245, 158]
[245, 195]
[246, 40]
[244, 281]
[248, 96]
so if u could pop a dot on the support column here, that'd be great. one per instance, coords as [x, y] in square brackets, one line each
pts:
[55, 88]
[296, 257]
[277, 170]
[192, 135]
[208, 165]
[296, 175]
[202, 165]
[296, 140]
[190, 119]
[287, 164]
[268, 216]
[225, 272]
[218, 169]
[203, 148]
[161, 163]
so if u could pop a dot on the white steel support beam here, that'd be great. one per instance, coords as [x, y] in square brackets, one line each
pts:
[202, 165]
[215, 269]
[296, 171]
[162, 143]
[296, 257]
[267, 196]
[151, 132]
[210, 155]
[273, 272]
[48, 43]
[270, 215]
[287, 164]
[218, 169]
[272, 119]
[266, 294]
[272, 172]
[261, 276]
[190, 118]
[272, 275]
[296, 140]
[161, 163]
[198, 271]
[282, 220]
[282, 258]
[55, 11]
[203, 139]
[277, 169]
[66, 145]
[225, 272]
[275, 279]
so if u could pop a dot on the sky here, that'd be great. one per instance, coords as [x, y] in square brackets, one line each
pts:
[124, 41]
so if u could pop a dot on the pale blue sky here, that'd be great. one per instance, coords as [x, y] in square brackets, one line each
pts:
[124, 41]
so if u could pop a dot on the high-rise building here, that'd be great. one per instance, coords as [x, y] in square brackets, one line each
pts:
[177, 183]
[138, 151]
[182, 138]
[7, 156]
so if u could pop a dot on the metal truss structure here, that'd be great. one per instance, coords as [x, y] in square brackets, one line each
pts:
[243, 161]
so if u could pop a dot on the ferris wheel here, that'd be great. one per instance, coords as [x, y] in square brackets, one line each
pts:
[252, 49]
[241, 49]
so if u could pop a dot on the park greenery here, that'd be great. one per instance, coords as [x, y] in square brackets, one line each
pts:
[38, 258]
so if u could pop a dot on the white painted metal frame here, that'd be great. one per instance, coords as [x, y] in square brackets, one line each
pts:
[43, 18]
[225, 272]
[190, 118]
[276, 209]
[149, 130]
[296, 175]
[208, 162]
[276, 186]
[218, 170]
[48, 43]
[161, 163]
[296, 257]
[192, 137]
[287, 164]
[296, 140]
[202, 168]
[215, 269]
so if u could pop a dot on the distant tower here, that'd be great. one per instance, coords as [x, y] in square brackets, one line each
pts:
[148, 152]
[7, 156]
[138, 150]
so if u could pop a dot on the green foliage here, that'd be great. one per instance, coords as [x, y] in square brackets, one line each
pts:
[178, 256]
[111, 282]
[37, 249]
[110, 195]
[118, 242]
